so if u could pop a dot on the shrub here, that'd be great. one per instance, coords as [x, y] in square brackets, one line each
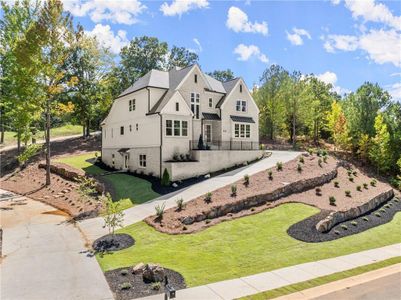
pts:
[184, 228]
[324, 152]
[176, 156]
[359, 188]
[233, 190]
[319, 162]
[208, 197]
[365, 186]
[124, 272]
[262, 147]
[125, 286]
[349, 172]
[396, 199]
[252, 209]
[299, 168]
[279, 166]
[387, 205]
[319, 152]
[355, 223]
[345, 227]
[348, 193]
[301, 160]
[207, 221]
[365, 219]
[318, 191]
[188, 156]
[336, 184]
[246, 179]
[165, 178]
[160, 210]
[325, 159]
[180, 204]
[373, 182]
[351, 179]
[28, 153]
[200, 142]
[155, 286]
[270, 174]
[337, 232]
[355, 173]
[332, 200]
[377, 214]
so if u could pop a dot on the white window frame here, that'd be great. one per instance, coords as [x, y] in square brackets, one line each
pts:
[130, 105]
[242, 130]
[195, 104]
[241, 106]
[133, 104]
[142, 160]
[170, 126]
[184, 129]
[208, 139]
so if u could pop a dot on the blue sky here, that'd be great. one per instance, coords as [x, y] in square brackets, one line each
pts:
[343, 42]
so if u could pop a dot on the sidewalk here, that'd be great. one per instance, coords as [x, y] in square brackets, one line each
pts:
[93, 228]
[249, 285]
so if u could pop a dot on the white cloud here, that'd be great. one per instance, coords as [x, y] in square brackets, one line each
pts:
[296, 36]
[122, 12]
[237, 21]
[395, 91]
[178, 7]
[196, 41]
[368, 10]
[108, 39]
[246, 52]
[328, 77]
[335, 2]
[381, 46]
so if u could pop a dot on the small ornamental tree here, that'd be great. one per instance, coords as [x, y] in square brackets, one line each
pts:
[113, 217]
[200, 143]
[165, 178]
[28, 153]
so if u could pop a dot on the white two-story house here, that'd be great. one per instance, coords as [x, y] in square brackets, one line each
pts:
[156, 124]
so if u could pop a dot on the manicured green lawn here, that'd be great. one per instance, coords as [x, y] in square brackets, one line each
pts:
[293, 288]
[11, 139]
[241, 247]
[129, 190]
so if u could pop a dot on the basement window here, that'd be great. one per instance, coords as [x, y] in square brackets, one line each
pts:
[142, 160]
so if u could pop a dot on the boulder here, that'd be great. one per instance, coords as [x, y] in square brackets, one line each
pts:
[153, 273]
[187, 220]
[207, 176]
[138, 268]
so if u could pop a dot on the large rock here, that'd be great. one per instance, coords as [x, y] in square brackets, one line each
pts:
[138, 268]
[153, 273]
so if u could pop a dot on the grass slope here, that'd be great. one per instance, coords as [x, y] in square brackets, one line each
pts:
[293, 288]
[11, 139]
[241, 247]
[130, 190]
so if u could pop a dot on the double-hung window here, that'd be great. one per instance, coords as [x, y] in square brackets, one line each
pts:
[184, 128]
[195, 104]
[247, 131]
[242, 130]
[236, 130]
[177, 128]
[142, 160]
[169, 127]
[240, 105]
[130, 105]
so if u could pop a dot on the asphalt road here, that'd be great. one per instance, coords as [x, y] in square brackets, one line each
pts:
[384, 288]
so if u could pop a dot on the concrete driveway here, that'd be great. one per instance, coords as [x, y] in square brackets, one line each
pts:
[43, 256]
[93, 228]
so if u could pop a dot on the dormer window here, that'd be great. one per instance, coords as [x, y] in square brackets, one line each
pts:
[240, 88]
[196, 78]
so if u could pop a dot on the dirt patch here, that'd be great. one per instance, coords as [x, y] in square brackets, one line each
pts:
[173, 221]
[112, 242]
[61, 194]
[138, 288]
[305, 230]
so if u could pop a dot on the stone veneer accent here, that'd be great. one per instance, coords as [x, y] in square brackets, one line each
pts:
[340, 216]
[234, 207]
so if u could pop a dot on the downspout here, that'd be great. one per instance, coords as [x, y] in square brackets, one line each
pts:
[148, 99]
[161, 145]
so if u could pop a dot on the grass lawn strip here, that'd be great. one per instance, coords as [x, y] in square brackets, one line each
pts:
[130, 190]
[293, 288]
[245, 246]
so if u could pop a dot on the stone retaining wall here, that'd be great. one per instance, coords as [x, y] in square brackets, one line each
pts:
[340, 216]
[63, 172]
[234, 207]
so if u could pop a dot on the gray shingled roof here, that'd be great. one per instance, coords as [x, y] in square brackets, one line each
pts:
[170, 81]
[210, 116]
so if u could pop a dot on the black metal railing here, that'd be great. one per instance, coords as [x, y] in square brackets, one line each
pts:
[223, 145]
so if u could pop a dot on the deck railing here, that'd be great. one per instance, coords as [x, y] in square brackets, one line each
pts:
[224, 145]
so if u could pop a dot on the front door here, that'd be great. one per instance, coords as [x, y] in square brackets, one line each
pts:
[208, 133]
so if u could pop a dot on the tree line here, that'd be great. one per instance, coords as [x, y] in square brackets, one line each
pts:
[365, 123]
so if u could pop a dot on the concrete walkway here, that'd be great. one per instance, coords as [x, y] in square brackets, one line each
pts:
[44, 257]
[249, 285]
[93, 228]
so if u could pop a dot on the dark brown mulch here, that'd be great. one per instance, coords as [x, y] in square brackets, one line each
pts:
[305, 230]
[112, 242]
[138, 287]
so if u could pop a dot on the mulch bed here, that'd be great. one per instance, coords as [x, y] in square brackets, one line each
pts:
[305, 230]
[61, 194]
[138, 287]
[112, 242]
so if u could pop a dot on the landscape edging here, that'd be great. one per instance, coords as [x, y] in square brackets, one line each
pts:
[337, 217]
